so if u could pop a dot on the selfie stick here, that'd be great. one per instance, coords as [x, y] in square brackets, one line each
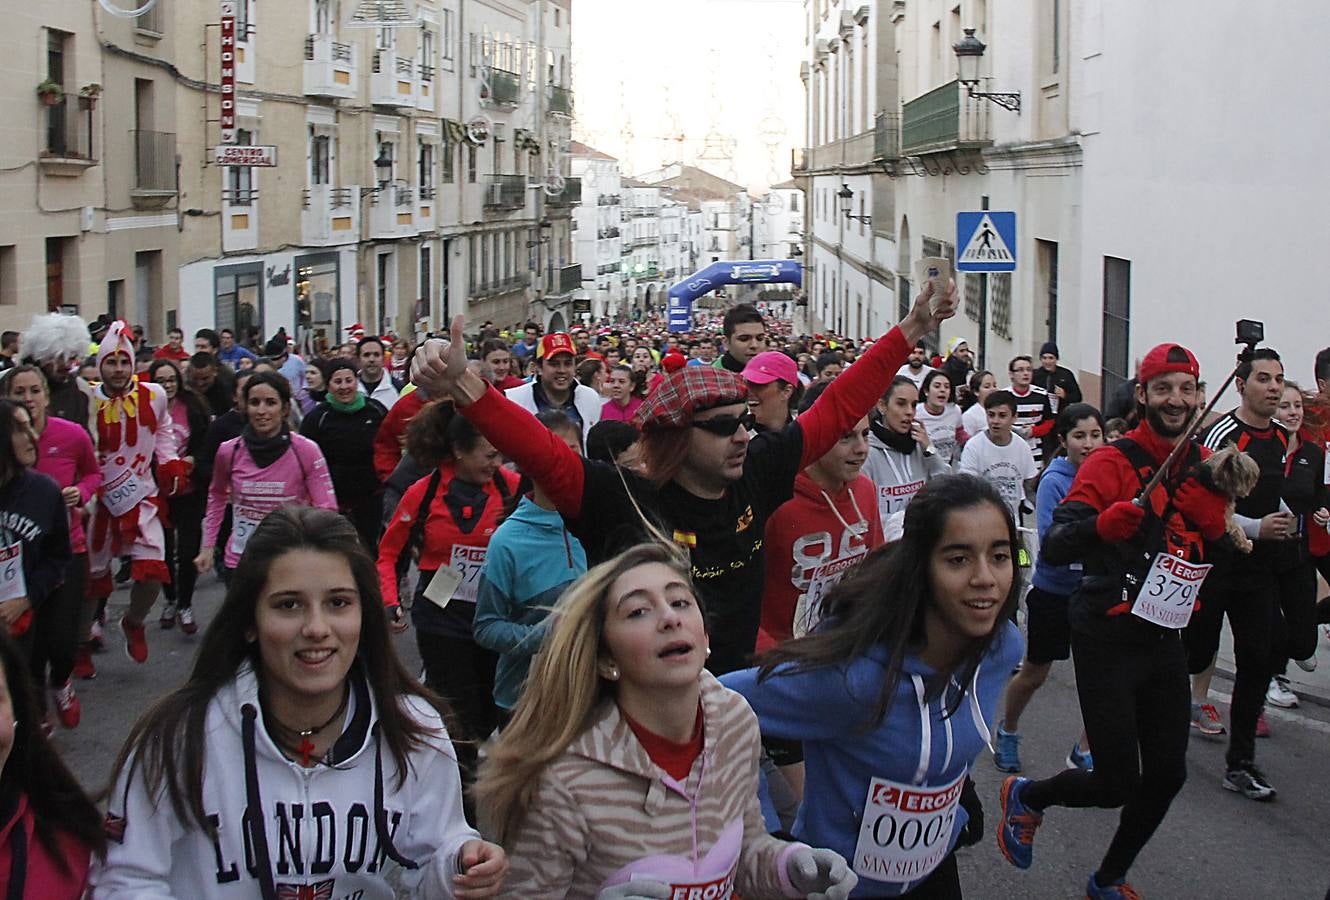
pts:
[1195, 425]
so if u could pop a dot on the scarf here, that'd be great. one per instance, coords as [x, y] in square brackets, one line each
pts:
[901, 443]
[266, 451]
[354, 406]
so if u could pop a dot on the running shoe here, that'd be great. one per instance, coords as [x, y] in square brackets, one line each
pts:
[96, 640]
[1262, 726]
[67, 705]
[1007, 752]
[1278, 694]
[136, 640]
[1205, 719]
[48, 725]
[168, 616]
[1306, 665]
[1249, 781]
[83, 665]
[1080, 759]
[186, 616]
[1015, 833]
[1117, 890]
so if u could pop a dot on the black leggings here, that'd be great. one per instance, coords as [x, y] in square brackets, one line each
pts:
[462, 672]
[1136, 706]
[56, 629]
[183, 540]
[1295, 619]
[943, 884]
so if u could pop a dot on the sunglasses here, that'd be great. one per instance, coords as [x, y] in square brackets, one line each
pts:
[726, 426]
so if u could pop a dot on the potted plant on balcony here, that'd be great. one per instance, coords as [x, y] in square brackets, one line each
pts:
[88, 95]
[50, 92]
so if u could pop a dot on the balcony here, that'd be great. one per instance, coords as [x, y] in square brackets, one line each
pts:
[501, 286]
[571, 196]
[330, 67]
[855, 152]
[570, 279]
[944, 120]
[798, 161]
[561, 101]
[425, 87]
[504, 88]
[393, 80]
[391, 212]
[648, 241]
[641, 212]
[505, 192]
[154, 169]
[606, 233]
[67, 146]
[330, 216]
[426, 209]
[609, 200]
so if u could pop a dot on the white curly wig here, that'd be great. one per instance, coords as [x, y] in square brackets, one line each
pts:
[54, 336]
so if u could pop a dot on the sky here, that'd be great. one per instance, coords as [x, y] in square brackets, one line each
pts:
[721, 74]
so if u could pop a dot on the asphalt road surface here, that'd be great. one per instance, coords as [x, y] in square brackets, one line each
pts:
[1214, 845]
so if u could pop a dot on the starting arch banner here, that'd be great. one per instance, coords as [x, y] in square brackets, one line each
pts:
[719, 274]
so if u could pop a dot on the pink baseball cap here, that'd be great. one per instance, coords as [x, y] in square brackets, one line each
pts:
[769, 366]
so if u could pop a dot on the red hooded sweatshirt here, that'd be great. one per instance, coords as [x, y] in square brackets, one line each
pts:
[24, 859]
[811, 541]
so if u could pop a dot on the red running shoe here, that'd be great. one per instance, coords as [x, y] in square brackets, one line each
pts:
[83, 665]
[67, 705]
[136, 640]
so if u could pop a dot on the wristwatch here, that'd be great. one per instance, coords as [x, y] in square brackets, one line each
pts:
[930, 451]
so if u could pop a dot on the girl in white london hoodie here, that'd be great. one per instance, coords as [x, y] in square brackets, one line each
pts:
[282, 822]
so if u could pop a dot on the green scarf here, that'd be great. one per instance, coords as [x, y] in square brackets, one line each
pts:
[354, 406]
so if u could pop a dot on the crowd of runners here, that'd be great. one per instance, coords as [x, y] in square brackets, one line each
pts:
[731, 612]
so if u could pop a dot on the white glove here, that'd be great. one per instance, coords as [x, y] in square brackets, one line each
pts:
[637, 890]
[820, 874]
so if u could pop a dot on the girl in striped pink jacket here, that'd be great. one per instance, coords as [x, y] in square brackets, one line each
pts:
[628, 771]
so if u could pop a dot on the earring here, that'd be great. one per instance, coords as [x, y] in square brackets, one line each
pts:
[612, 673]
[708, 653]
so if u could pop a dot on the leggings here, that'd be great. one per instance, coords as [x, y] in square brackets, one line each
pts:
[56, 629]
[183, 540]
[462, 672]
[1135, 702]
[1294, 624]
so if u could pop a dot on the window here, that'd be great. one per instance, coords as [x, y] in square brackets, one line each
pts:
[446, 38]
[240, 179]
[449, 162]
[323, 20]
[1117, 325]
[426, 276]
[425, 165]
[485, 241]
[427, 55]
[9, 276]
[794, 203]
[244, 18]
[1046, 287]
[471, 163]
[238, 298]
[558, 17]
[385, 39]
[384, 270]
[320, 158]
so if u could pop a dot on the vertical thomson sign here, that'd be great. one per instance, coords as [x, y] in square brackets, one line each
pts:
[229, 71]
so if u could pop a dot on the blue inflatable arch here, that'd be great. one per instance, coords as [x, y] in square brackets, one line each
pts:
[719, 274]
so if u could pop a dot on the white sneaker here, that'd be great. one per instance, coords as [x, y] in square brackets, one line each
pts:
[1279, 695]
[1308, 664]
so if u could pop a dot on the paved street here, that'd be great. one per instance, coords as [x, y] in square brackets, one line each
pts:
[1213, 846]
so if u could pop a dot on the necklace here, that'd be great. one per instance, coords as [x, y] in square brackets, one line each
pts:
[306, 746]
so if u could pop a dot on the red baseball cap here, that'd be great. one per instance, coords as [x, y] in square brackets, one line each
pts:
[1166, 359]
[551, 345]
[769, 366]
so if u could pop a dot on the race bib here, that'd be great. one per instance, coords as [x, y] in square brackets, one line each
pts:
[12, 583]
[906, 829]
[1168, 594]
[809, 611]
[467, 562]
[722, 889]
[893, 499]
[244, 520]
[124, 492]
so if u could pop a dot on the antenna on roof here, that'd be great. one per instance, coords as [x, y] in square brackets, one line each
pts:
[381, 14]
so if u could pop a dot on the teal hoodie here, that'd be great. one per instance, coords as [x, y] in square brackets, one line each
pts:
[531, 560]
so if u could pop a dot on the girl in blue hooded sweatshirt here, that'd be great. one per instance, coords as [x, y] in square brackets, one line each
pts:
[1079, 431]
[893, 694]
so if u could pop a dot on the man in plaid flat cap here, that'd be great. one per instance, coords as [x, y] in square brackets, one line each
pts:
[710, 483]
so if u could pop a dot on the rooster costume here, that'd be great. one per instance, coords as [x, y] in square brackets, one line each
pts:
[133, 430]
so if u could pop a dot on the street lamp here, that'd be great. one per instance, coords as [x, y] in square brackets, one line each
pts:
[384, 166]
[969, 51]
[846, 197]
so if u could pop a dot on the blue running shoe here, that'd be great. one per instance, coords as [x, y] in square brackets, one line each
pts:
[1015, 834]
[1118, 890]
[1007, 751]
[1080, 759]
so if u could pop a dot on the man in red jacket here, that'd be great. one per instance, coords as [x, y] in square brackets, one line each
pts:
[1144, 561]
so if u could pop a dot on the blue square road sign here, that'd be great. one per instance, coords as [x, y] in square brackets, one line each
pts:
[986, 241]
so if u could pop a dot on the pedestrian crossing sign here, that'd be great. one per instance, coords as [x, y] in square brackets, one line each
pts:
[987, 241]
